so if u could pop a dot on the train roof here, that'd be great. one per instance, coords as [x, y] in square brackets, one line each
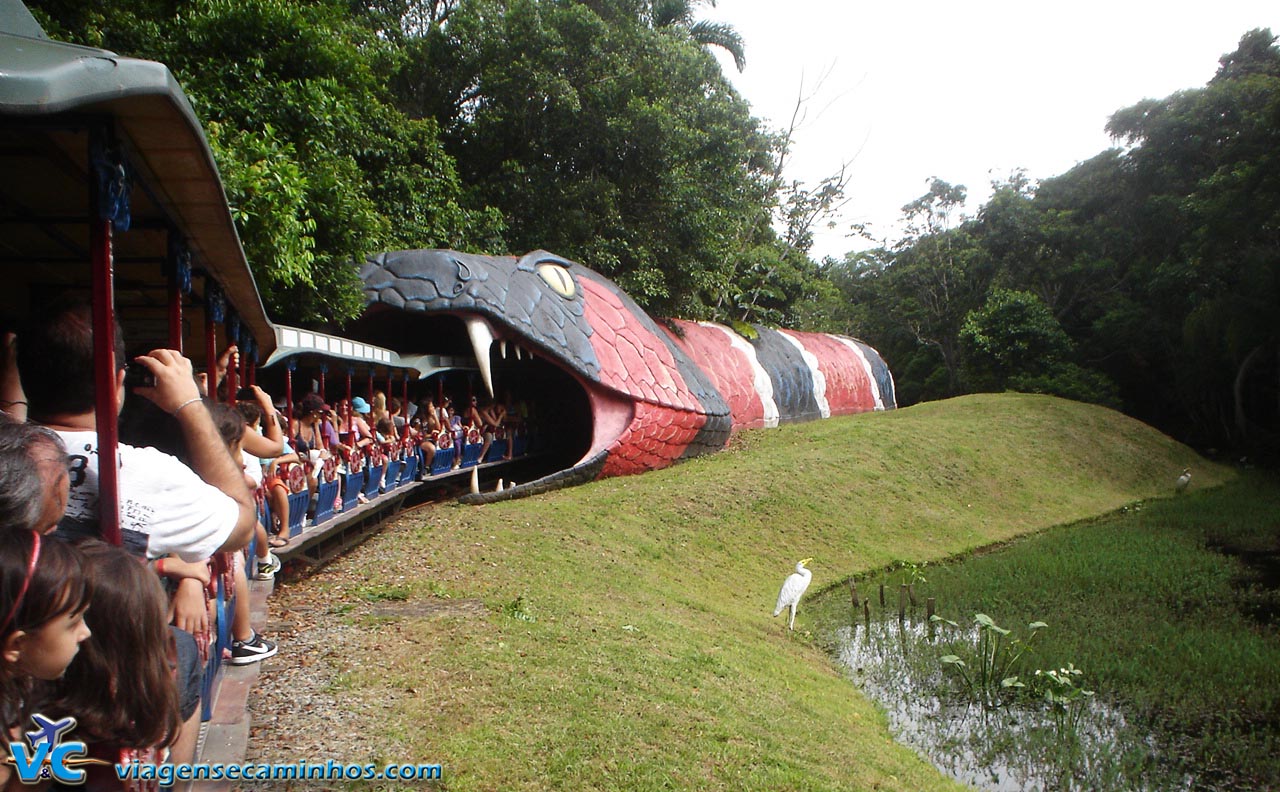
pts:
[296, 342]
[50, 94]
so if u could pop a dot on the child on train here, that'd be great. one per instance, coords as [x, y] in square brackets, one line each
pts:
[121, 688]
[44, 592]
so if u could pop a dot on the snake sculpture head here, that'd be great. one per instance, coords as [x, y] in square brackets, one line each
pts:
[648, 404]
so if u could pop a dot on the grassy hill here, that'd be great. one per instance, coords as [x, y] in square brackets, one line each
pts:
[625, 640]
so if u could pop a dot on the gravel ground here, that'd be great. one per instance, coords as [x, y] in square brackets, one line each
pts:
[301, 707]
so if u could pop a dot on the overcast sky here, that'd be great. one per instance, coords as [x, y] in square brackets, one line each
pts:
[964, 91]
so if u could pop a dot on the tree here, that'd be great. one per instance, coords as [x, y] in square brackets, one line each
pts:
[602, 138]
[938, 276]
[1204, 164]
[678, 15]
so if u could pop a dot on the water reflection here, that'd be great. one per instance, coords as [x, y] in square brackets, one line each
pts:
[1014, 748]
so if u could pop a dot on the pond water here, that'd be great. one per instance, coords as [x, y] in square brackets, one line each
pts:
[1016, 747]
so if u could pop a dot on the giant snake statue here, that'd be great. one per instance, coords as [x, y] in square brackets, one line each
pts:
[656, 393]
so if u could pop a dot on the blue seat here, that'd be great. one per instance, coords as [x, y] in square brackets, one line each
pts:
[443, 461]
[352, 486]
[298, 502]
[497, 450]
[326, 496]
[373, 478]
[471, 454]
[409, 470]
[393, 475]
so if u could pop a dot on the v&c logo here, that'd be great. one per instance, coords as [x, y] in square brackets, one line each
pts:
[49, 757]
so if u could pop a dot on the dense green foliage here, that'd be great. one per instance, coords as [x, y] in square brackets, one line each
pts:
[605, 131]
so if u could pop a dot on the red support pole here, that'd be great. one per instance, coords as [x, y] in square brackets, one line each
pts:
[106, 411]
[251, 373]
[210, 344]
[322, 390]
[369, 396]
[288, 397]
[233, 379]
[351, 413]
[175, 312]
[404, 405]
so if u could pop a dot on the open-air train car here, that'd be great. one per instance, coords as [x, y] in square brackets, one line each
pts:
[109, 191]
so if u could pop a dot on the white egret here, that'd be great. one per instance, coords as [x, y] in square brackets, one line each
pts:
[793, 589]
[1183, 481]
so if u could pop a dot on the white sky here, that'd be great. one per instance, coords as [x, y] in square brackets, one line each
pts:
[964, 91]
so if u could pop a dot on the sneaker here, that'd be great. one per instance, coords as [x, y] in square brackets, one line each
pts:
[267, 569]
[251, 651]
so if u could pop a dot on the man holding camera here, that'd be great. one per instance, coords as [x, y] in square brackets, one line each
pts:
[165, 506]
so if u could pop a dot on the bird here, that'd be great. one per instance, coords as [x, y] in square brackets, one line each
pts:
[1183, 481]
[793, 589]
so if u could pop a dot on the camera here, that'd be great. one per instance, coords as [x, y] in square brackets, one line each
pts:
[137, 375]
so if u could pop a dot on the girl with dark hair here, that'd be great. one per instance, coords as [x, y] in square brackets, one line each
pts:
[121, 687]
[44, 592]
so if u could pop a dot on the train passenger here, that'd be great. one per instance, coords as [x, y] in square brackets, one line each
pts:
[120, 688]
[498, 411]
[478, 419]
[378, 408]
[44, 592]
[233, 428]
[430, 418]
[397, 420]
[310, 439]
[247, 646]
[263, 438]
[266, 478]
[385, 431]
[362, 432]
[276, 480]
[34, 481]
[453, 423]
[165, 506]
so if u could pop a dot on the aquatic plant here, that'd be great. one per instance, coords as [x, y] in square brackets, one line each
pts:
[1065, 696]
[988, 677]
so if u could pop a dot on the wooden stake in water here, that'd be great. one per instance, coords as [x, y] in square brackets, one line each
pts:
[866, 611]
[929, 605]
[853, 593]
[882, 595]
[902, 602]
[911, 593]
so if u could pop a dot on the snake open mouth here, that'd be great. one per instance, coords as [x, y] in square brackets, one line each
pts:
[570, 421]
[517, 331]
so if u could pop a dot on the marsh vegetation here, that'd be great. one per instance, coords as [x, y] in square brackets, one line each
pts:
[1138, 650]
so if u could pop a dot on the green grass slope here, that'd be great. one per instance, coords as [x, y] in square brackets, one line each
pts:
[628, 642]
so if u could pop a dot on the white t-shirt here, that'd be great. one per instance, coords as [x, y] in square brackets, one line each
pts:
[164, 506]
[252, 466]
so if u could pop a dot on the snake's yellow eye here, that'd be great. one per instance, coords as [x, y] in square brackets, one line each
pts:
[558, 278]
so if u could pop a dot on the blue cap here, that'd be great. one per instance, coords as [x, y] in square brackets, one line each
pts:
[360, 405]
